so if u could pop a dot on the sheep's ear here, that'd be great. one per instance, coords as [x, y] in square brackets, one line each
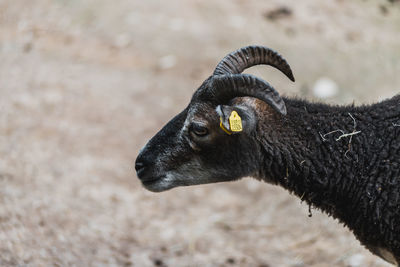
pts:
[235, 119]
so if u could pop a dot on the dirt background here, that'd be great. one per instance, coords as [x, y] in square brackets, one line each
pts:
[84, 85]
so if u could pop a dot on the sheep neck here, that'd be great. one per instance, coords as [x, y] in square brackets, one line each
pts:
[343, 160]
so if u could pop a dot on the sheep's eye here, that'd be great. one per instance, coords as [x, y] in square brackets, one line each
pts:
[199, 130]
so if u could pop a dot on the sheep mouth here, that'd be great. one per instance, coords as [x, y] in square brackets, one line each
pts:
[151, 181]
[156, 184]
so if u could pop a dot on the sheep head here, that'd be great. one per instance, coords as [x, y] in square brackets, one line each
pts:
[212, 139]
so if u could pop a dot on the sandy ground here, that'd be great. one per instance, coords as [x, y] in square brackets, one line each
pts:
[84, 85]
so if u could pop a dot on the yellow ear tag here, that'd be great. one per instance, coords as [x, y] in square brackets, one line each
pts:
[235, 122]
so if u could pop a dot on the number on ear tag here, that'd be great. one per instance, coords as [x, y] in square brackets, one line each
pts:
[235, 122]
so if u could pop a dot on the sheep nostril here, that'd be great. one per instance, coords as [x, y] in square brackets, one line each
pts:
[143, 167]
[139, 165]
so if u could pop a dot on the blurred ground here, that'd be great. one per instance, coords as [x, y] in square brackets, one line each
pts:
[83, 86]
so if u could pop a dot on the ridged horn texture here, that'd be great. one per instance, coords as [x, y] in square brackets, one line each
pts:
[229, 86]
[246, 57]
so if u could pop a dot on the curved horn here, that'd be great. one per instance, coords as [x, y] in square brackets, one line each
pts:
[246, 57]
[226, 87]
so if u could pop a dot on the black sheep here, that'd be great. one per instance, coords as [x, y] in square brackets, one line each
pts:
[344, 160]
